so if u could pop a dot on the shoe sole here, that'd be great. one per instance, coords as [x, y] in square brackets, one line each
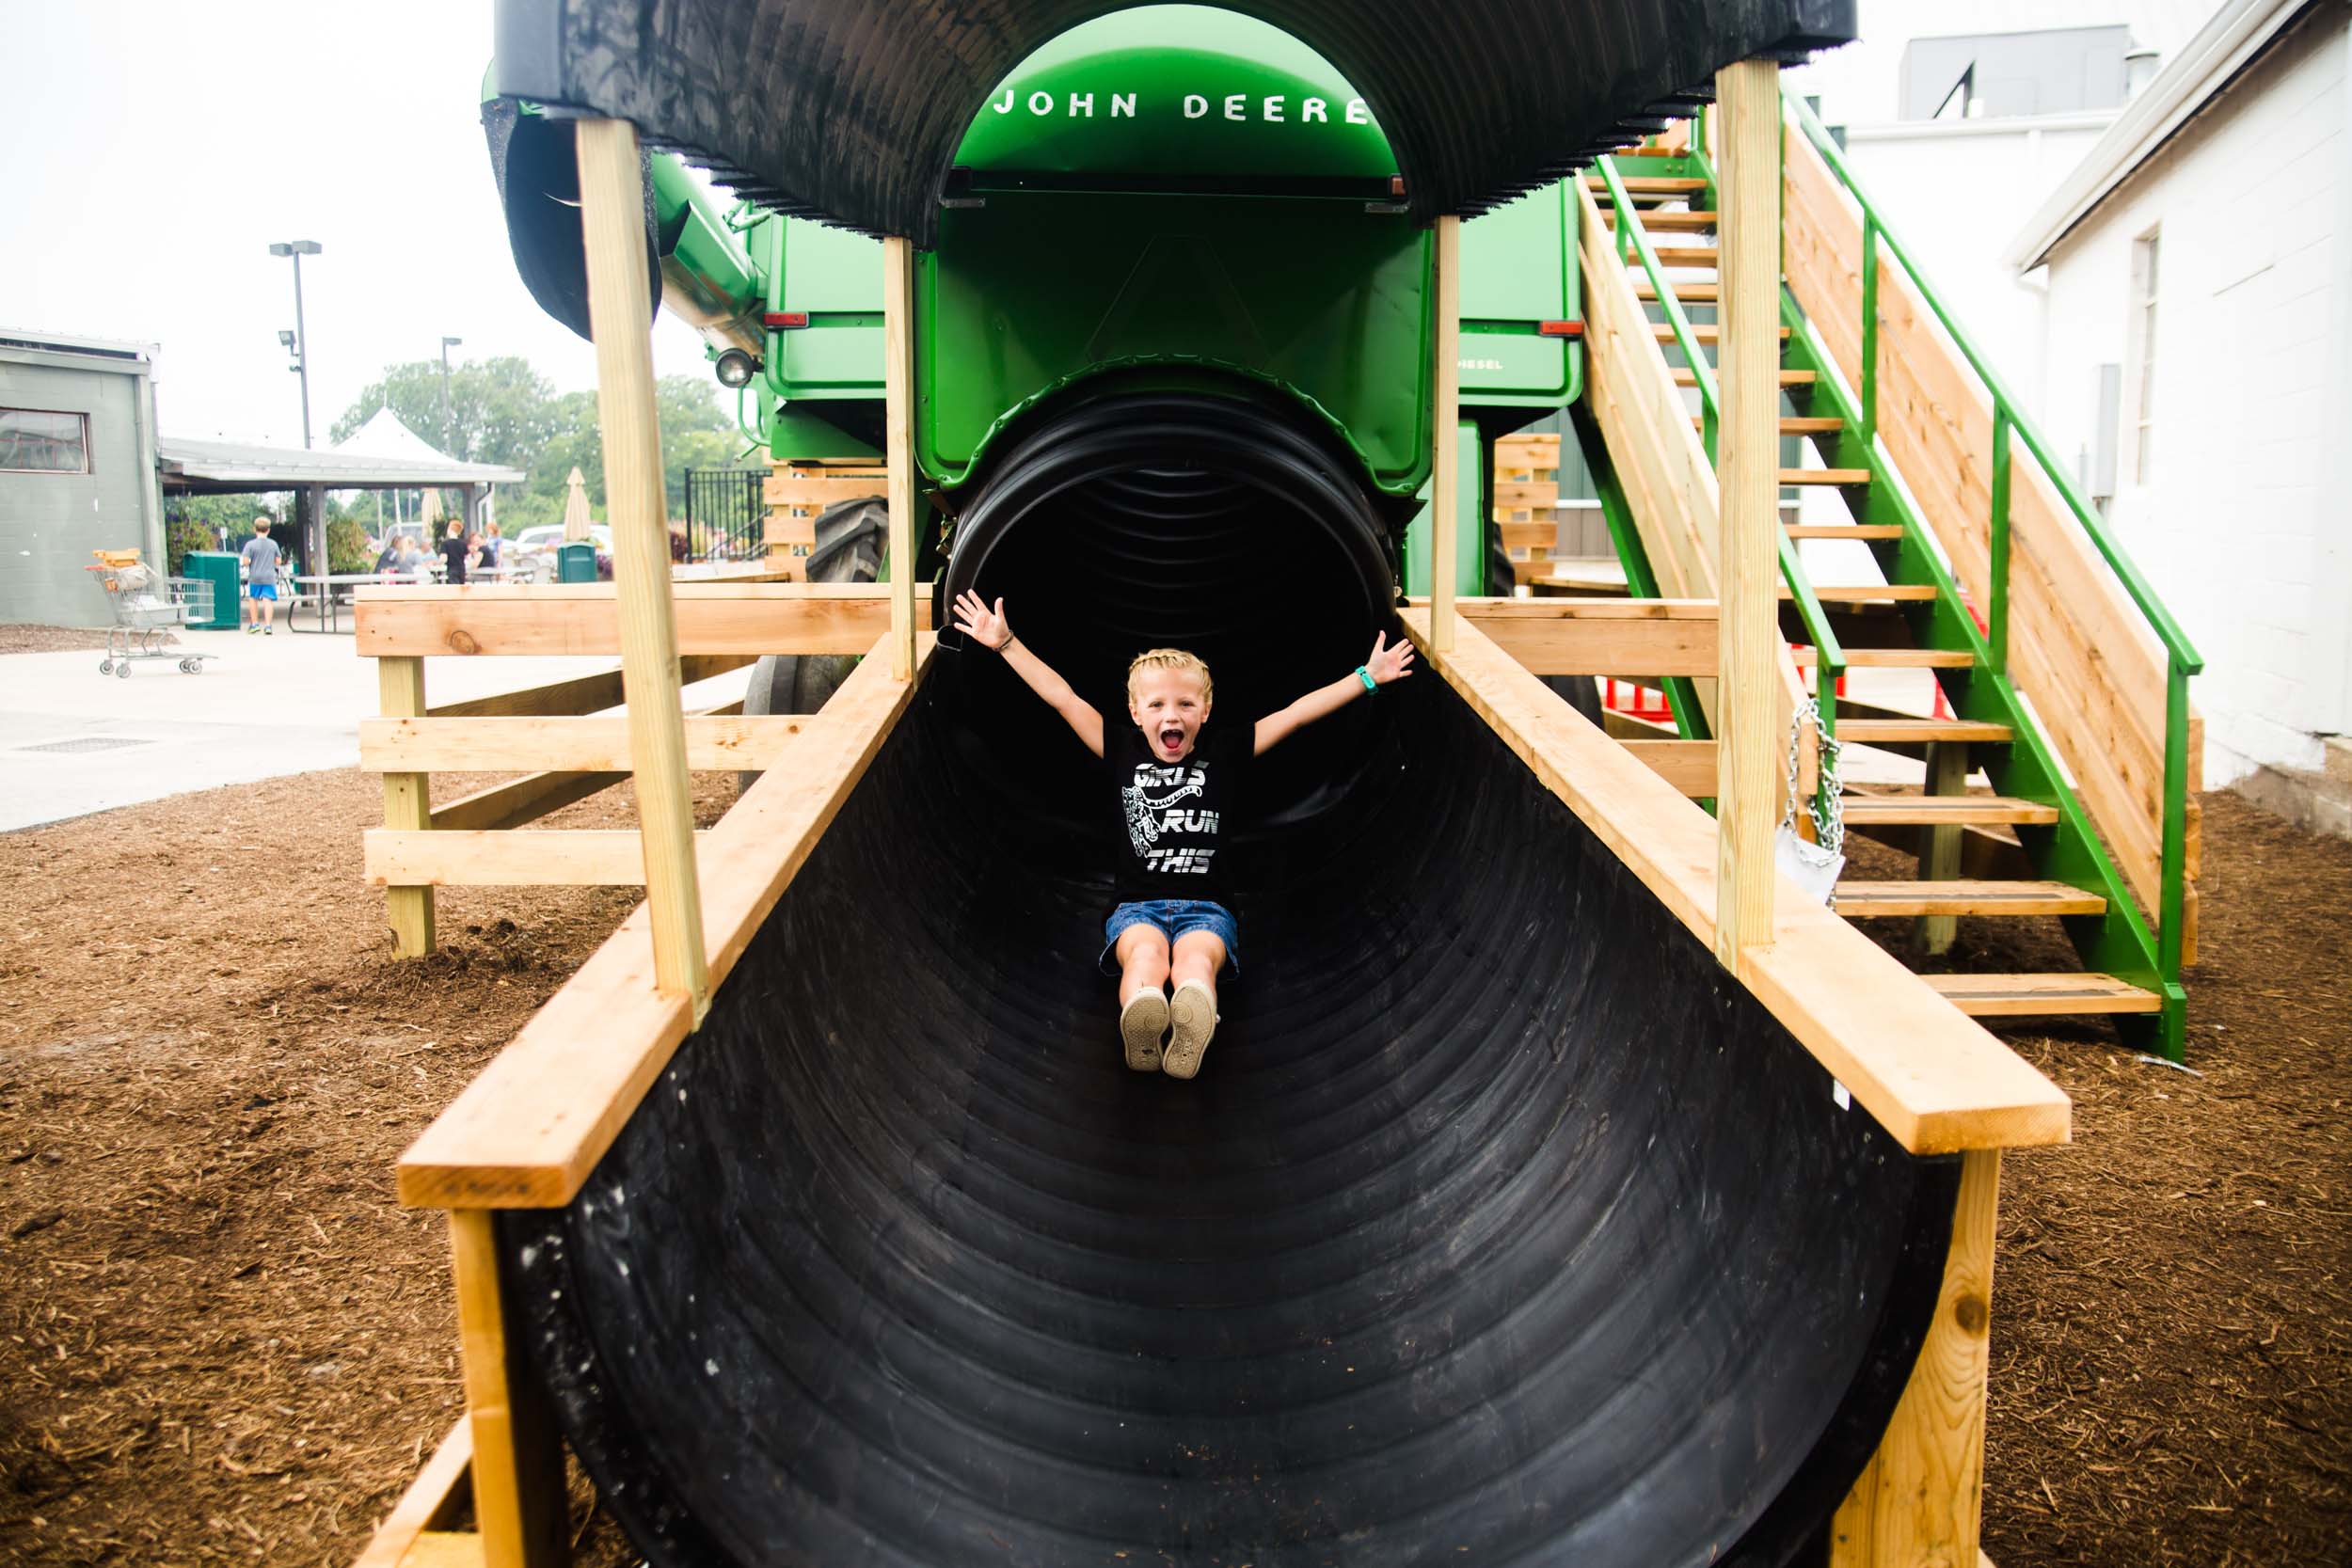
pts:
[1141, 1023]
[1193, 1018]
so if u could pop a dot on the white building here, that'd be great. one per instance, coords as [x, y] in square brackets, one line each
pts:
[2196, 346]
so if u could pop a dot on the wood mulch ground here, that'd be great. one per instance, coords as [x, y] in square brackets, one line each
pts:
[18, 637]
[222, 1342]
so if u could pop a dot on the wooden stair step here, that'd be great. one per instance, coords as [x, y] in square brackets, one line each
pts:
[1869, 592]
[1828, 476]
[1843, 530]
[1874, 899]
[1683, 219]
[1797, 425]
[1871, 732]
[1900, 658]
[1686, 256]
[2012, 995]
[1689, 294]
[1645, 184]
[1705, 332]
[1685, 376]
[1974, 811]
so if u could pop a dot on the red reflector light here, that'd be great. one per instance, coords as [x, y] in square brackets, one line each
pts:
[785, 320]
[1560, 329]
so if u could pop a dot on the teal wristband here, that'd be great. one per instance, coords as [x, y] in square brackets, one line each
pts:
[1365, 676]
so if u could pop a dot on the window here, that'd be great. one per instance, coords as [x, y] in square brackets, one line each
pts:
[35, 440]
[2143, 357]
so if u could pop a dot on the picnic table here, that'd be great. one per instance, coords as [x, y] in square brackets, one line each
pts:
[331, 601]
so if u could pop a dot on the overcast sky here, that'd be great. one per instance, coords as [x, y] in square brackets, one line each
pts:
[155, 148]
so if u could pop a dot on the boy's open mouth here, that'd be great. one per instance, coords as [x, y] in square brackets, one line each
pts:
[1172, 737]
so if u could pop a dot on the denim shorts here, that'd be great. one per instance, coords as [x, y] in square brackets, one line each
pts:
[1173, 918]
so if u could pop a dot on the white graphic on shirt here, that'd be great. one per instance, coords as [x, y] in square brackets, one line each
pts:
[1150, 800]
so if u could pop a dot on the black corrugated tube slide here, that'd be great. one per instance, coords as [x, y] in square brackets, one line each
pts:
[1499, 1229]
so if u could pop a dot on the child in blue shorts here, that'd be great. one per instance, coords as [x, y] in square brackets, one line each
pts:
[1176, 777]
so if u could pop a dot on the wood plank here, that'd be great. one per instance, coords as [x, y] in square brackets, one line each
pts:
[2042, 995]
[1935, 1081]
[1645, 184]
[526, 1133]
[1510, 494]
[1843, 531]
[1748, 733]
[744, 620]
[1445, 416]
[1627, 649]
[1685, 256]
[1920, 1498]
[818, 491]
[1861, 899]
[1948, 810]
[1688, 766]
[582, 857]
[1662, 221]
[898, 263]
[1870, 592]
[1914, 731]
[446, 1549]
[1900, 658]
[579, 693]
[600, 744]
[518, 1463]
[407, 807]
[1798, 424]
[513, 803]
[1702, 332]
[432, 1500]
[1685, 376]
[613, 206]
[1689, 293]
[1940, 853]
[1826, 476]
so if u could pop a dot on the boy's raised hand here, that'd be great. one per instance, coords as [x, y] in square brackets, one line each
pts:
[1388, 664]
[983, 624]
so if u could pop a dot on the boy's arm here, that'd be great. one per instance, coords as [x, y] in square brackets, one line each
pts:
[988, 627]
[1385, 665]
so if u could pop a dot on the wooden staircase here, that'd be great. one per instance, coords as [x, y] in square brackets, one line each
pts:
[1912, 620]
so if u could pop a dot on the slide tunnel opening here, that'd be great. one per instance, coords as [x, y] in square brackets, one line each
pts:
[1150, 518]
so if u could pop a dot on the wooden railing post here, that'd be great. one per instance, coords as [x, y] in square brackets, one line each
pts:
[1920, 1500]
[408, 805]
[518, 1497]
[1445, 419]
[1747, 97]
[899, 444]
[611, 202]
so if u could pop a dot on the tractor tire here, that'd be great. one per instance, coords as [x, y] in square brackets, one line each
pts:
[850, 536]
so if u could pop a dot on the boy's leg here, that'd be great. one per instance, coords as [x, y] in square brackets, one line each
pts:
[1192, 1009]
[1142, 954]
[269, 612]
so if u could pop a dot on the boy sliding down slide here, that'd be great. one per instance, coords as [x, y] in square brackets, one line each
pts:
[1176, 777]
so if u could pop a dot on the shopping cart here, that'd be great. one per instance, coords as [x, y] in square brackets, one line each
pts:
[146, 606]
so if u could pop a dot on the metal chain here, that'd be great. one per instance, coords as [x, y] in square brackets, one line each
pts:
[1829, 807]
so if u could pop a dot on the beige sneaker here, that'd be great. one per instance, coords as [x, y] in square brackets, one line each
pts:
[1142, 1024]
[1192, 1013]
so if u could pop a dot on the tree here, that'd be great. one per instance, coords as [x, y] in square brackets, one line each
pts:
[503, 411]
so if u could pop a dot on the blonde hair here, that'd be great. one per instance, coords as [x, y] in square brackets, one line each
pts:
[1169, 658]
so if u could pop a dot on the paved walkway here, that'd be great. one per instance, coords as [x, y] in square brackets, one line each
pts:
[73, 741]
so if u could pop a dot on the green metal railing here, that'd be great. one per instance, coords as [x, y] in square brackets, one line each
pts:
[1626, 226]
[2009, 426]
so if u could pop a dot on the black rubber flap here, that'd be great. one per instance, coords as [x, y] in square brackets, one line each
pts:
[852, 110]
[1497, 1230]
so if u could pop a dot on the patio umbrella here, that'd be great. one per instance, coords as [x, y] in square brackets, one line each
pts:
[576, 518]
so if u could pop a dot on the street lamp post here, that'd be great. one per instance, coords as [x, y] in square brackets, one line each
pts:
[446, 344]
[301, 345]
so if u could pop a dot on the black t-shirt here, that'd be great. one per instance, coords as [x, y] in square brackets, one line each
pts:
[1174, 819]
[453, 557]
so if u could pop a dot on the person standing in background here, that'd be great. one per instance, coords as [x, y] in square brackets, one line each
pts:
[261, 555]
[493, 546]
[453, 553]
